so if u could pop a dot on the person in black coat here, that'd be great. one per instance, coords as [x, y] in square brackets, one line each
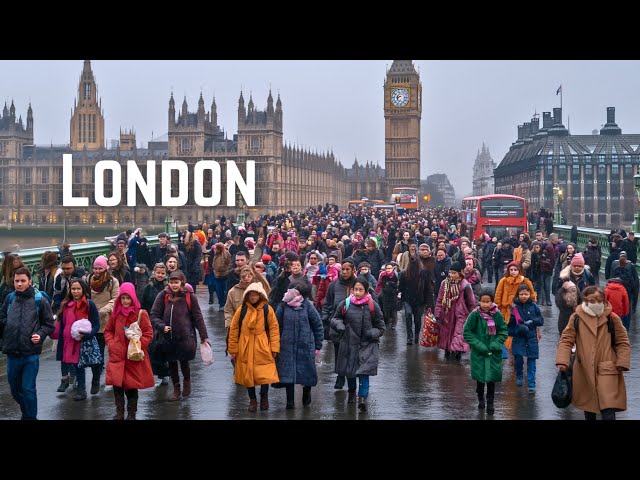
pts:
[630, 245]
[416, 287]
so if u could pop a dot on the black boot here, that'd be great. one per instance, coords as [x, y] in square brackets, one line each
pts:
[480, 392]
[447, 354]
[64, 384]
[211, 299]
[339, 382]
[306, 396]
[119, 397]
[458, 355]
[352, 397]
[362, 404]
[81, 394]
[290, 396]
[132, 408]
[95, 386]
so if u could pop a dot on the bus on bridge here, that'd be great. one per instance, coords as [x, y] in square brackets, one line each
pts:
[497, 215]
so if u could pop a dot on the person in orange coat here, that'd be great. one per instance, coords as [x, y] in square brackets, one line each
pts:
[252, 349]
[507, 290]
[618, 297]
[127, 376]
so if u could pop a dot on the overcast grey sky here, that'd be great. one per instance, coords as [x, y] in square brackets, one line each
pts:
[339, 104]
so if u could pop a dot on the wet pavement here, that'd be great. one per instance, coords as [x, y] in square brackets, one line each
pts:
[413, 383]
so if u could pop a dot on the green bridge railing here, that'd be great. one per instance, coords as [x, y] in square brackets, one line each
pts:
[584, 234]
[84, 253]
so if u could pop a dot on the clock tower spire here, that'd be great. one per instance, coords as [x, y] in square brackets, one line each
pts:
[402, 114]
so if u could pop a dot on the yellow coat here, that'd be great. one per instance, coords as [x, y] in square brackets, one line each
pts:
[255, 364]
[506, 291]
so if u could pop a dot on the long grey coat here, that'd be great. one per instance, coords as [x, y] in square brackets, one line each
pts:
[359, 349]
[301, 334]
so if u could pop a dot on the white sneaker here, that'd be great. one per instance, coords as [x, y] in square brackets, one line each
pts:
[573, 349]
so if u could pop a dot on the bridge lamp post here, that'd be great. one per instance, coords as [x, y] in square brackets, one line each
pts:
[557, 196]
[636, 187]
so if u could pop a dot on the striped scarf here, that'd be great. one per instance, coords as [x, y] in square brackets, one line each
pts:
[451, 292]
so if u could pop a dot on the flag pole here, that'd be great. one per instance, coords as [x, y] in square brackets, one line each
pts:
[560, 96]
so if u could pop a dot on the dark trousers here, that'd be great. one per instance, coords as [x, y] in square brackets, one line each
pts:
[390, 314]
[413, 320]
[220, 285]
[97, 369]
[489, 269]
[131, 393]
[607, 414]
[335, 358]
[290, 387]
[499, 271]
[491, 389]
[264, 390]
[22, 373]
[173, 371]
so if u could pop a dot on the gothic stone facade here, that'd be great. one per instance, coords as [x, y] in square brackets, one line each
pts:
[287, 177]
[483, 181]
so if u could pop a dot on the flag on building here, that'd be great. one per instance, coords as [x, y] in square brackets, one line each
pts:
[559, 90]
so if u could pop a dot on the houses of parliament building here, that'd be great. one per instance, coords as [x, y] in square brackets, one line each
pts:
[287, 177]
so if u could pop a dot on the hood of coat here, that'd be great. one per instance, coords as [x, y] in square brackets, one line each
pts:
[255, 287]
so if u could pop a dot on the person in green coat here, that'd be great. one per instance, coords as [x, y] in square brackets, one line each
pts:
[485, 331]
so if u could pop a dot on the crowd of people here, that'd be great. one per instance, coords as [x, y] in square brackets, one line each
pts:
[292, 284]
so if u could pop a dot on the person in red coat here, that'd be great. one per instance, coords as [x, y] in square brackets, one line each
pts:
[618, 297]
[127, 376]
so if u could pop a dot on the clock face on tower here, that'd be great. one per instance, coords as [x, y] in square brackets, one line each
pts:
[399, 97]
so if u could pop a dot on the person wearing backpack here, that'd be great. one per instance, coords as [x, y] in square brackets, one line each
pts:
[76, 306]
[254, 344]
[301, 334]
[156, 284]
[24, 325]
[602, 353]
[357, 326]
[176, 312]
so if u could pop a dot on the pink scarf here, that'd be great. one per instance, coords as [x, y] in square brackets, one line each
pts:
[293, 298]
[488, 316]
[362, 301]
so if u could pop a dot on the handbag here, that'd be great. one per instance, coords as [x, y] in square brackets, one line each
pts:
[133, 333]
[562, 388]
[89, 353]
[430, 330]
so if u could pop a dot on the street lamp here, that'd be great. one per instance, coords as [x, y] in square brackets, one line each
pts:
[557, 197]
[636, 187]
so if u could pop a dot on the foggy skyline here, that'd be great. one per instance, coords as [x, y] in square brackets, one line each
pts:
[338, 105]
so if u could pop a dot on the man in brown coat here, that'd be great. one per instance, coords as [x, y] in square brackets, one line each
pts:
[220, 264]
[598, 384]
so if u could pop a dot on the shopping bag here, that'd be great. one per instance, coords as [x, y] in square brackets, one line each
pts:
[89, 353]
[561, 392]
[206, 353]
[430, 330]
[133, 333]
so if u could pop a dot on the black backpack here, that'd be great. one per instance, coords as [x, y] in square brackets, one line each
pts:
[610, 327]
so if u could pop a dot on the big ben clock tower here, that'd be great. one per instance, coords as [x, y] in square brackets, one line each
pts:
[402, 113]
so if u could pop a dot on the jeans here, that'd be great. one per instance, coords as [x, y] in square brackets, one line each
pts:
[220, 284]
[22, 373]
[81, 377]
[531, 369]
[499, 271]
[363, 385]
[96, 370]
[546, 286]
[413, 319]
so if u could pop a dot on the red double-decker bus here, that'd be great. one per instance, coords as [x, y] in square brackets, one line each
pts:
[497, 215]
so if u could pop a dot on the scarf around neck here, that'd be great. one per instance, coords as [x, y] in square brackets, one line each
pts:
[98, 283]
[451, 292]
[488, 316]
[293, 298]
[362, 301]
[587, 309]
